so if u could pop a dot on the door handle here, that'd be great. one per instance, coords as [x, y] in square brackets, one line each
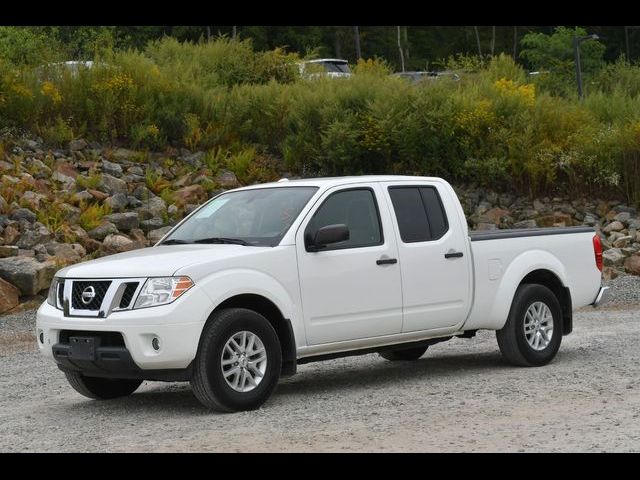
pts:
[453, 254]
[386, 261]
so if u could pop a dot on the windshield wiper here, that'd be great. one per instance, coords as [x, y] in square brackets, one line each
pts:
[174, 241]
[233, 241]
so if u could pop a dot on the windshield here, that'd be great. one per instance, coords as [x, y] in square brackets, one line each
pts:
[340, 67]
[258, 217]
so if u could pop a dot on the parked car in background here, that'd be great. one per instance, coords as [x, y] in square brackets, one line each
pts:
[325, 67]
[57, 70]
[420, 76]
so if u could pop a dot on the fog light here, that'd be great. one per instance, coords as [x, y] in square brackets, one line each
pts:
[155, 343]
[41, 336]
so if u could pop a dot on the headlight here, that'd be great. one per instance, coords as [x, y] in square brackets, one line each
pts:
[52, 297]
[162, 290]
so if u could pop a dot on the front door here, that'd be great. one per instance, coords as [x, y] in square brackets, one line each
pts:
[351, 289]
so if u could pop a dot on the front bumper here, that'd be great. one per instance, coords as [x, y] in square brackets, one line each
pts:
[602, 297]
[177, 327]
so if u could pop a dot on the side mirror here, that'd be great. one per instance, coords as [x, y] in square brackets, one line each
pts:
[327, 235]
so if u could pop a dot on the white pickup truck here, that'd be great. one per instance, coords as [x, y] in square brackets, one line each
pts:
[263, 278]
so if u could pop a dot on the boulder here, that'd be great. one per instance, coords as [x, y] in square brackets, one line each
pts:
[614, 226]
[65, 252]
[152, 207]
[112, 185]
[190, 194]
[526, 224]
[102, 230]
[632, 265]
[155, 235]
[136, 170]
[8, 251]
[111, 168]
[26, 273]
[609, 273]
[64, 172]
[124, 221]
[11, 234]
[151, 224]
[622, 217]
[496, 215]
[133, 202]
[35, 200]
[119, 201]
[98, 195]
[623, 241]
[117, 243]
[9, 296]
[83, 196]
[613, 257]
[33, 236]
[137, 235]
[228, 179]
[23, 214]
[77, 144]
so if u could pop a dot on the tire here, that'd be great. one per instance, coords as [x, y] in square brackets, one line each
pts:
[407, 354]
[101, 388]
[208, 381]
[513, 343]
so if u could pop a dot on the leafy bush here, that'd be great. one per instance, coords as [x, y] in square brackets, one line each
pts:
[251, 113]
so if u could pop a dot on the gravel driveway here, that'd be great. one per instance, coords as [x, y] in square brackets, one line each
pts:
[460, 396]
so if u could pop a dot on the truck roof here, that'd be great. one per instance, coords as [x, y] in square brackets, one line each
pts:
[337, 181]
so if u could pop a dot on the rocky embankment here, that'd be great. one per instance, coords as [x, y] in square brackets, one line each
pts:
[62, 206]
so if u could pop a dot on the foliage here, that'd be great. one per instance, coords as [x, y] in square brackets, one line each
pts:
[91, 215]
[496, 126]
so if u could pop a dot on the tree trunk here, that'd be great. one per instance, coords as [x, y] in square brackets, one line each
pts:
[337, 45]
[356, 37]
[406, 42]
[234, 32]
[626, 42]
[493, 40]
[208, 34]
[515, 43]
[400, 48]
[478, 40]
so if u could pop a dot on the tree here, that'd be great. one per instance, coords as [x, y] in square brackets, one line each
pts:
[555, 52]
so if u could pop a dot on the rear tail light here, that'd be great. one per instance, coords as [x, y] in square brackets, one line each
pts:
[597, 250]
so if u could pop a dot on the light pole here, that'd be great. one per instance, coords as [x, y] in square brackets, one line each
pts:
[576, 52]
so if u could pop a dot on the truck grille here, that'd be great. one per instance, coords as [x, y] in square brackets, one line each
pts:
[127, 295]
[99, 290]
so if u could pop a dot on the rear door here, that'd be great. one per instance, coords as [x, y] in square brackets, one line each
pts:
[352, 289]
[434, 256]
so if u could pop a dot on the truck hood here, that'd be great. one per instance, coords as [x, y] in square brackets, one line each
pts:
[159, 261]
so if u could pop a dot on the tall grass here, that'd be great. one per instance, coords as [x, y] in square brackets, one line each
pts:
[495, 127]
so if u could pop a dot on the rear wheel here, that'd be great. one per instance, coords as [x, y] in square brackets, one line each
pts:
[101, 388]
[532, 334]
[238, 362]
[406, 354]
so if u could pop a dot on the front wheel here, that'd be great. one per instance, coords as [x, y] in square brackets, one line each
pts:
[101, 388]
[238, 362]
[532, 334]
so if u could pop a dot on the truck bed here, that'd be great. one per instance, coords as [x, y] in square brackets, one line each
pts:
[480, 235]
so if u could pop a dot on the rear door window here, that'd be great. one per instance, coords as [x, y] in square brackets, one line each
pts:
[419, 212]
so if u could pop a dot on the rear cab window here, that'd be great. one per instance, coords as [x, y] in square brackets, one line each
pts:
[419, 212]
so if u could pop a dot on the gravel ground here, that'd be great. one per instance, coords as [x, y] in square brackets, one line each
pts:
[460, 396]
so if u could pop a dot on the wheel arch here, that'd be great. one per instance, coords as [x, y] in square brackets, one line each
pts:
[533, 266]
[274, 316]
[550, 280]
